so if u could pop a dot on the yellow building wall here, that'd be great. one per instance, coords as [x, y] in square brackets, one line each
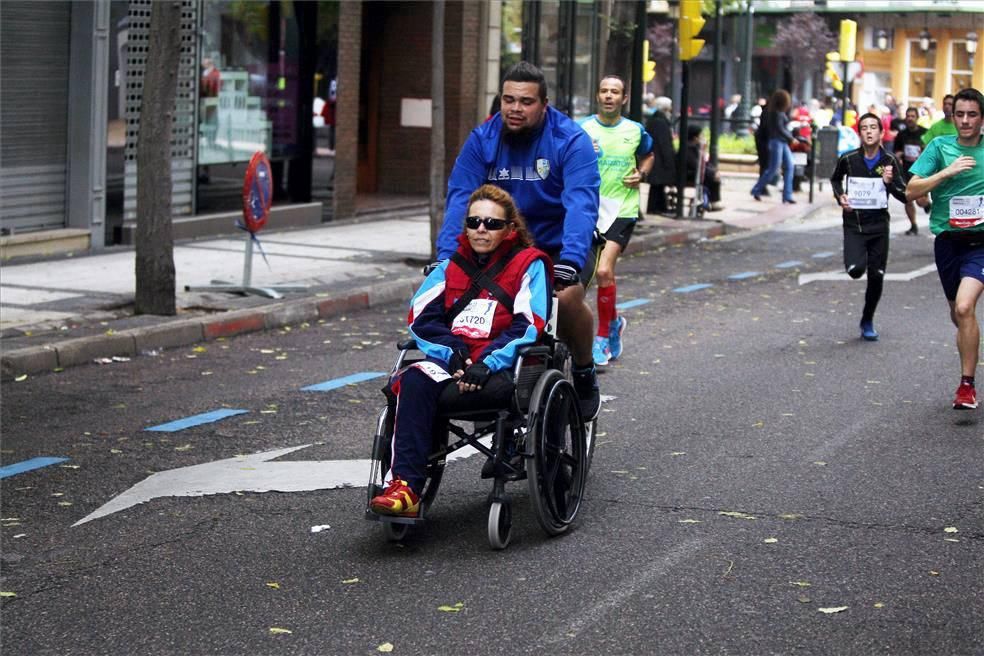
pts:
[895, 62]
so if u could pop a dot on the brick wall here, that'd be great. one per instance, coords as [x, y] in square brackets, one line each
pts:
[403, 153]
[347, 108]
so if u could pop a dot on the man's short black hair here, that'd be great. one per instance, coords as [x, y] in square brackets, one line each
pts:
[949, 95]
[526, 72]
[972, 94]
[870, 115]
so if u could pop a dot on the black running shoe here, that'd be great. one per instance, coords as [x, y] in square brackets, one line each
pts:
[588, 392]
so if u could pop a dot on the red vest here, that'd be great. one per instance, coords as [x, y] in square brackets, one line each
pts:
[510, 279]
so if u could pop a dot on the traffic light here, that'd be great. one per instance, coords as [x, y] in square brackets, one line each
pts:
[648, 66]
[848, 40]
[691, 23]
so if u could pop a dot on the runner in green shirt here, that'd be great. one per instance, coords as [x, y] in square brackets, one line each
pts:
[944, 126]
[953, 169]
[624, 159]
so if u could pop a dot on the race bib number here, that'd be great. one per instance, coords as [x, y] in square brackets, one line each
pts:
[966, 211]
[431, 370]
[866, 193]
[911, 152]
[475, 320]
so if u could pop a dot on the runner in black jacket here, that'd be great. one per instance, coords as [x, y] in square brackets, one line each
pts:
[866, 218]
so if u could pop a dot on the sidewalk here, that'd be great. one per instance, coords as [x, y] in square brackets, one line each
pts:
[73, 310]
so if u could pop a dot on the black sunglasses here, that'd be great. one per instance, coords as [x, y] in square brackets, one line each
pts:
[472, 222]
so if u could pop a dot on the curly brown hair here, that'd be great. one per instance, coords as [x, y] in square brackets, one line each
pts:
[502, 198]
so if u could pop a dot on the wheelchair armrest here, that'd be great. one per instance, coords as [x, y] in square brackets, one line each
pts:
[533, 350]
[406, 345]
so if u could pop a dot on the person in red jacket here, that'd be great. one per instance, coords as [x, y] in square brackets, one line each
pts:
[470, 318]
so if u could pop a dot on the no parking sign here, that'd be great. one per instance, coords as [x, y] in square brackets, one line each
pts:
[257, 193]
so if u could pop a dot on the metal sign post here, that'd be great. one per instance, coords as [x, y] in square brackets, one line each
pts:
[257, 199]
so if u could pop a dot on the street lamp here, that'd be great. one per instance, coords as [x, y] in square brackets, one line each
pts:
[971, 43]
[881, 40]
[924, 38]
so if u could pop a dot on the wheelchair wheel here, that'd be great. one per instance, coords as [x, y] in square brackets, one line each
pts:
[500, 525]
[395, 532]
[558, 469]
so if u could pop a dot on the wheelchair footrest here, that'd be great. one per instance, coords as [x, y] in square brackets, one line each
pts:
[394, 519]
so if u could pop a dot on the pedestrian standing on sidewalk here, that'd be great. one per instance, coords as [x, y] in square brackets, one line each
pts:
[952, 168]
[778, 138]
[625, 158]
[663, 170]
[861, 183]
[908, 148]
[546, 162]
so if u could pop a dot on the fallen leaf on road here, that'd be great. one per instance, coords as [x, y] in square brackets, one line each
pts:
[736, 514]
[20, 378]
[879, 604]
[803, 599]
[386, 647]
[273, 584]
[758, 424]
[688, 521]
[678, 453]
[770, 540]
[318, 529]
[790, 516]
[834, 609]
[350, 581]
[933, 572]
[951, 529]
[185, 447]
[199, 349]
[7, 594]
[451, 609]
[276, 629]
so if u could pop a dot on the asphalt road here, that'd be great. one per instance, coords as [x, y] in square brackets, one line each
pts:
[760, 465]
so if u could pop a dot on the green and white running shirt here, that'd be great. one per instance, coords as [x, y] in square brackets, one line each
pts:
[617, 147]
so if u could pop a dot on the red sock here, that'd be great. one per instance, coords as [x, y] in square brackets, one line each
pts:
[606, 309]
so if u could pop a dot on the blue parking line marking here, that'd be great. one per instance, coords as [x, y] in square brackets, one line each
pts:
[825, 254]
[196, 420]
[692, 288]
[631, 304]
[788, 265]
[28, 465]
[743, 275]
[335, 383]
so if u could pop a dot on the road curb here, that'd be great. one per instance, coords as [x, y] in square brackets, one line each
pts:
[185, 332]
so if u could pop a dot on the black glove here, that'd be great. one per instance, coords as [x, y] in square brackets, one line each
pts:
[459, 360]
[565, 275]
[477, 374]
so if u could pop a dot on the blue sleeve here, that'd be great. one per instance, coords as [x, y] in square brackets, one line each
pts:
[645, 143]
[467, 175]
[580, 198]
[529, 320]
[428, 321]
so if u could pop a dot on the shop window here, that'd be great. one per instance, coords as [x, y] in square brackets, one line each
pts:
[961, 76]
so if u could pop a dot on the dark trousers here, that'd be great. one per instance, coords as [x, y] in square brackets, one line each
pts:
[867, 252]
[418, 399]
[657, 199]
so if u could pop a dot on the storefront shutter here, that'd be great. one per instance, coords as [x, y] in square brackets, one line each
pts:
[34, 50]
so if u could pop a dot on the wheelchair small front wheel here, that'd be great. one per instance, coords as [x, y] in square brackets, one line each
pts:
[395, 532]
[500, 525]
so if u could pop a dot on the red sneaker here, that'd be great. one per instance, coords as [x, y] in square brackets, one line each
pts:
[966, 397]
[398, 499]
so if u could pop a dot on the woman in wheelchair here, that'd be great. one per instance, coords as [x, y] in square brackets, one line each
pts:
[470, 317]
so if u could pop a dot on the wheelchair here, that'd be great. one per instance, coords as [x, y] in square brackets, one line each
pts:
[540, 437]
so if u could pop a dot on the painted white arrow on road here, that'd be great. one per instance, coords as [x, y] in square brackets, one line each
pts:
[251, 473]
[805, 278]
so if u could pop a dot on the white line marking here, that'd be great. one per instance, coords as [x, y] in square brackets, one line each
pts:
[805, 278]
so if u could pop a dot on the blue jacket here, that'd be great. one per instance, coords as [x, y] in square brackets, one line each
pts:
[553, 178]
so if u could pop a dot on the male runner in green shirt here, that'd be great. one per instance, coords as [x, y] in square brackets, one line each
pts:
[943, 127]
[952, 167]
[624, 159]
